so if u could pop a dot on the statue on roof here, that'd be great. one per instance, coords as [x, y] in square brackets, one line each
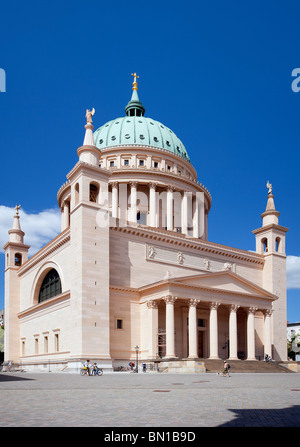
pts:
[269, 186]
[89, 114]
[17, 207]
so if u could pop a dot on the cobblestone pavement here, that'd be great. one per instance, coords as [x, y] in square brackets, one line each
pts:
[149, 400]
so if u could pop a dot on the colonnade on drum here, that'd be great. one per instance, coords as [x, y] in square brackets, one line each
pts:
[213, 329]
[190, 217]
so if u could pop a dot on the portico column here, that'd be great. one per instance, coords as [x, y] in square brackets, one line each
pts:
[133, 199]
[213, 330]
[114, 200]
[251, 334]
[267, 333]
[153, 329]
[170, 326]
[152, 187]
[193, 345]
[233, 332]
[170, 208]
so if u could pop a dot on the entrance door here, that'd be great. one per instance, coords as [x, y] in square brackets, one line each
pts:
[200, 344]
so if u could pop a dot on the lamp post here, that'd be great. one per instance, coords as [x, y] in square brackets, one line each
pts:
[137, 359]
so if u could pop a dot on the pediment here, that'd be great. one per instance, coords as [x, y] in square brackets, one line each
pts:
[226, 282]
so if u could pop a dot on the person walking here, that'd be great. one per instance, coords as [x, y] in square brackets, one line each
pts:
[226, 369]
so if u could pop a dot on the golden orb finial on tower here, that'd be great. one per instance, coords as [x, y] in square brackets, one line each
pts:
[134, 81]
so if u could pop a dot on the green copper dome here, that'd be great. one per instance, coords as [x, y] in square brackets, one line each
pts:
[134, 128]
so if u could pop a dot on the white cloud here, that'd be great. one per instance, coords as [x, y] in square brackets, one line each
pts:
[39, 228]
[293, 272]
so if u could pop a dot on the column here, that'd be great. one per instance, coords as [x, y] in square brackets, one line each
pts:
[65, 216]
[170, 326]
[251, 334]
[267, 333]
[114, 200]
[133, 199]
[213, 330]
[153, 329]
[193, 329]
[233, 332]
[170, 208]
[152, 194]
[186, 212]
[185, 313]
[196, 217]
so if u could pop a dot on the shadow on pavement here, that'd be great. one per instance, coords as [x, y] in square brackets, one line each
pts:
[282, 417]
[9, 377]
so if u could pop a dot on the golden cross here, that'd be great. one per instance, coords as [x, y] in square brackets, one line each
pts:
[135, 76]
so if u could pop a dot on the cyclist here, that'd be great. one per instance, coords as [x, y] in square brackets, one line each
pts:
[86, 366]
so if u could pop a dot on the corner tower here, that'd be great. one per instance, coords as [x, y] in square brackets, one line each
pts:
[270, 242]
[89, 232]
[16, 254]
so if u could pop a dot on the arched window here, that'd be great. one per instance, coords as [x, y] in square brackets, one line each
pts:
[264, 244]
[277, 241]
[18, 259]
[76, 193]
[51, 286]
[94, 190]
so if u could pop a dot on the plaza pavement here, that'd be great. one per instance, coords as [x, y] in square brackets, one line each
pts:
[149, 400]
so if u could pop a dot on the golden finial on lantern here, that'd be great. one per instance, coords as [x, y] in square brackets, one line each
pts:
[134, 81]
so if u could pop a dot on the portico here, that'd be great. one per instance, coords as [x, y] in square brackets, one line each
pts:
[200, 321]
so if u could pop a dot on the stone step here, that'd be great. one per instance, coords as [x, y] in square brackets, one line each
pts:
[245, 366]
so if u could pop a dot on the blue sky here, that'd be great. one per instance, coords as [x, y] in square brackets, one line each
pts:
[217, 73]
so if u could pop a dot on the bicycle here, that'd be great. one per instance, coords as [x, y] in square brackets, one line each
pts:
[94, 372]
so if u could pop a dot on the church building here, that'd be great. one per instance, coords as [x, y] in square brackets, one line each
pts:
[132, 271]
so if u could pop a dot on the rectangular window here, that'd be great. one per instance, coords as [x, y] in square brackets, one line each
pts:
[46, 345]
[56, 342]
[119, 324]
[126, 162]
[141, 162]
[155, 164]
[36, 345]
[112, 164]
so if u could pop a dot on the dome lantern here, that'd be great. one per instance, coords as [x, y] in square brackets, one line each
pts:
[134, 107]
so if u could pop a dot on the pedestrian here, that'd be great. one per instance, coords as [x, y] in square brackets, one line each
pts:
[226, 369]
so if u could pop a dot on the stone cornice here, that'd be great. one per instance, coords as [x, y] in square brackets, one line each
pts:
[48, 249]
[155, 175]
[178, 239]
[44, 304]
[82, 165]
[144, 148]
[271, 227]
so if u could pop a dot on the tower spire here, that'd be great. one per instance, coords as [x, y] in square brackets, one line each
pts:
[270, 216]
[15, 233]
[88, 152]
[89, 136]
